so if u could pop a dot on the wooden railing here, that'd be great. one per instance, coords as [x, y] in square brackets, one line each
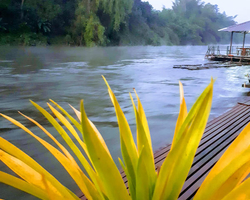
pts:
[225, 50]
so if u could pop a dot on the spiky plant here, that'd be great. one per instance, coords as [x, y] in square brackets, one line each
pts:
[225, 181]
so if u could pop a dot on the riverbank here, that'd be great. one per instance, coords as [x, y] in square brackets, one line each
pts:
[39, 40]
[30, 39]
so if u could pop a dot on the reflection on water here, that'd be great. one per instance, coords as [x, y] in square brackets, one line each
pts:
[67, 75]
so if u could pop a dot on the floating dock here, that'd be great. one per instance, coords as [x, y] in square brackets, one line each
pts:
[220, 132]
[210, 65]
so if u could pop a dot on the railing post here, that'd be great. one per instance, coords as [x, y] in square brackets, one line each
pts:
[244, 37]
[230, 51]
[218, 50]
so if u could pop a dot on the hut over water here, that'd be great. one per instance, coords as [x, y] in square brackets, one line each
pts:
[232, 53]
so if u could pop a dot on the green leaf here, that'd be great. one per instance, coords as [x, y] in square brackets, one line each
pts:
[144, 123]
[142, 178]
[181, 118]
[128, 148]
[103, 162]
[144, 142]
[176, 166]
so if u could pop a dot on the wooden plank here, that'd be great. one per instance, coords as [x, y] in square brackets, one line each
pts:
[245, 103]
[224, 116]
[213, 146]
[207, 136]
[213, 133]
[232, 110]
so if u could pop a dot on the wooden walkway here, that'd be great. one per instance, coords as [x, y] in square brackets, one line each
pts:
[219, 134]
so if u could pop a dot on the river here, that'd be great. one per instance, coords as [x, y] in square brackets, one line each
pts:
[69, 74]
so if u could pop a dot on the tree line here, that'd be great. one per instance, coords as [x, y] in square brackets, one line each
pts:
[111, 22]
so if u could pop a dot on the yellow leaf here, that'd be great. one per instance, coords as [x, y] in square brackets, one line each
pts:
[88, 168]
[14, 151]
[78, 114]
[72, 168]
[103, 162]
[69, 127]
[92, 174]
[232, 182]
[23, 185]
[176, 166]
[50, 194]
[25, 172]
[181, 118]
[235, 157]
[66, 138]
[63, 149]
[62, 132]
[76, 123]
[241, 192]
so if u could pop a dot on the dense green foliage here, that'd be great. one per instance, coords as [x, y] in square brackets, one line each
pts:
[110, 22]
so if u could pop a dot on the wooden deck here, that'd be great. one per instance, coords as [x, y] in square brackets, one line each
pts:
[219, 134]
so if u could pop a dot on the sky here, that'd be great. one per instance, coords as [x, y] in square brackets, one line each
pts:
[241, 8]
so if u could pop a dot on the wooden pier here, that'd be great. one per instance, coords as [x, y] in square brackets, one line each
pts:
[232, 53]
[220, 132]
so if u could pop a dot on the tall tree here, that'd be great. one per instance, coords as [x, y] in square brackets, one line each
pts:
[118, 10]
[87, 27]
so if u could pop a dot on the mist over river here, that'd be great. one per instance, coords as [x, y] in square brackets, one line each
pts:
[69, 74]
